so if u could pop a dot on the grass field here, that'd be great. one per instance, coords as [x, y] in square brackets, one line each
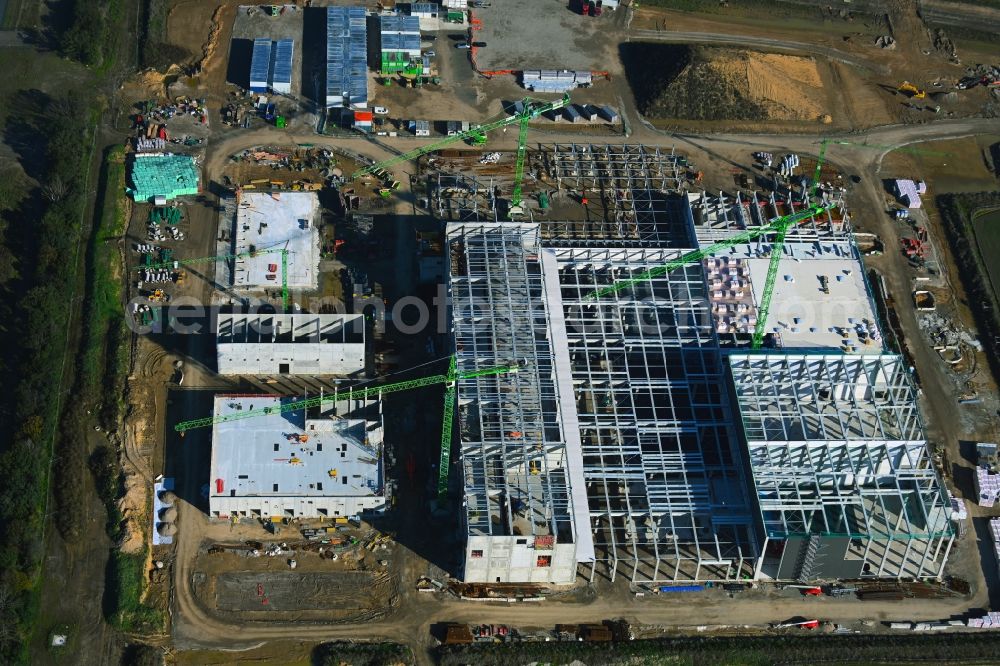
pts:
[986, 227]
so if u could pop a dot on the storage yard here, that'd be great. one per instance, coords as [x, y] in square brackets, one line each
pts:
[429, 334]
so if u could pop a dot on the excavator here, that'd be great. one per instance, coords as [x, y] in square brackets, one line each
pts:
[911, 90]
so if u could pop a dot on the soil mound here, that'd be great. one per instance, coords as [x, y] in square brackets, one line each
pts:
[709, 83]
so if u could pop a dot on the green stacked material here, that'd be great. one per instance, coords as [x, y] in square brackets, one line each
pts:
[168, 176]
[454, 17]
[171, 216]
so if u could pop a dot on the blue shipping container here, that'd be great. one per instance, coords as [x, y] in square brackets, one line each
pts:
[682, 588]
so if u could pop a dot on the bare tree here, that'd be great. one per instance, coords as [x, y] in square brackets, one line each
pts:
[55, 189]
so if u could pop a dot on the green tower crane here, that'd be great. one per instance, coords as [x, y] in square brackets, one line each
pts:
[446, 436]
[349, 393]
[531, 108]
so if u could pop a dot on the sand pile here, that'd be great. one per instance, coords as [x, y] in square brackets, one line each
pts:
[730, 84]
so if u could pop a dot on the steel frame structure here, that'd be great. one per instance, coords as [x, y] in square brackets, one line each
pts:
[519, 455]
[667, 496]
[461, 198]
[674, 485]
[836, 448]
[634, 185]
[717, 217]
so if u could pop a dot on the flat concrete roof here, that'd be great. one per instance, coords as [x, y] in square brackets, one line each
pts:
[264, 222]
[260, 457]
[310, 344]
[805, 316]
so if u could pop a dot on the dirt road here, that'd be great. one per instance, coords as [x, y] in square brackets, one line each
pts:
[754, 42]
[195, 625]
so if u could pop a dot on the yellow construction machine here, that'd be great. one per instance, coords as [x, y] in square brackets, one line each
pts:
[911, 90]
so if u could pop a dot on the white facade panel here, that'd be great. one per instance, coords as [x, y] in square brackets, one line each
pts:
[295, 344]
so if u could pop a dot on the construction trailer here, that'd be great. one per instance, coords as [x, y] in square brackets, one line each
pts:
[626, 437]
[260, 64]
[555, 81]
[425, 10]
[399, 42]
[281, 70]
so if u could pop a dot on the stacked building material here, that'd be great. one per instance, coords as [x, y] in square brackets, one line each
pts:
[987, 487]
[989, 621]
[162, 175]
[908, 192]
[995, 533]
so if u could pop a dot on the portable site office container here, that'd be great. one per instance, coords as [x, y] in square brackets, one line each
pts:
[456, 126]
[572, 114]
[281, 79]
[260, 64]
[608, 114]
[346, 57]
[424, 9]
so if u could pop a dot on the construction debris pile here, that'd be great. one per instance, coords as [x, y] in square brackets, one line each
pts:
[151, 112]
[942, 332]
[298, 160]
[979, 74]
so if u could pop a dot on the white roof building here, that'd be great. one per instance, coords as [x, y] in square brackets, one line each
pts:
[266, 224]
[285, 465]
[290, 344]
[820, 298]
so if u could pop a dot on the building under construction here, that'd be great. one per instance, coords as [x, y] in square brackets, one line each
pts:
[643, 437]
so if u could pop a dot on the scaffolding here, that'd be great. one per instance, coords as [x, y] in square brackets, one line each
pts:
[840, 464]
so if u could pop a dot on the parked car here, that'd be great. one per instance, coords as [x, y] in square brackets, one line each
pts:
[431, 54]
[381, 110]
[463, 46]
[479, 45]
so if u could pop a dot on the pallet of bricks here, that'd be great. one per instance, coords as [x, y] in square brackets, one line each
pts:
[989, 621]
